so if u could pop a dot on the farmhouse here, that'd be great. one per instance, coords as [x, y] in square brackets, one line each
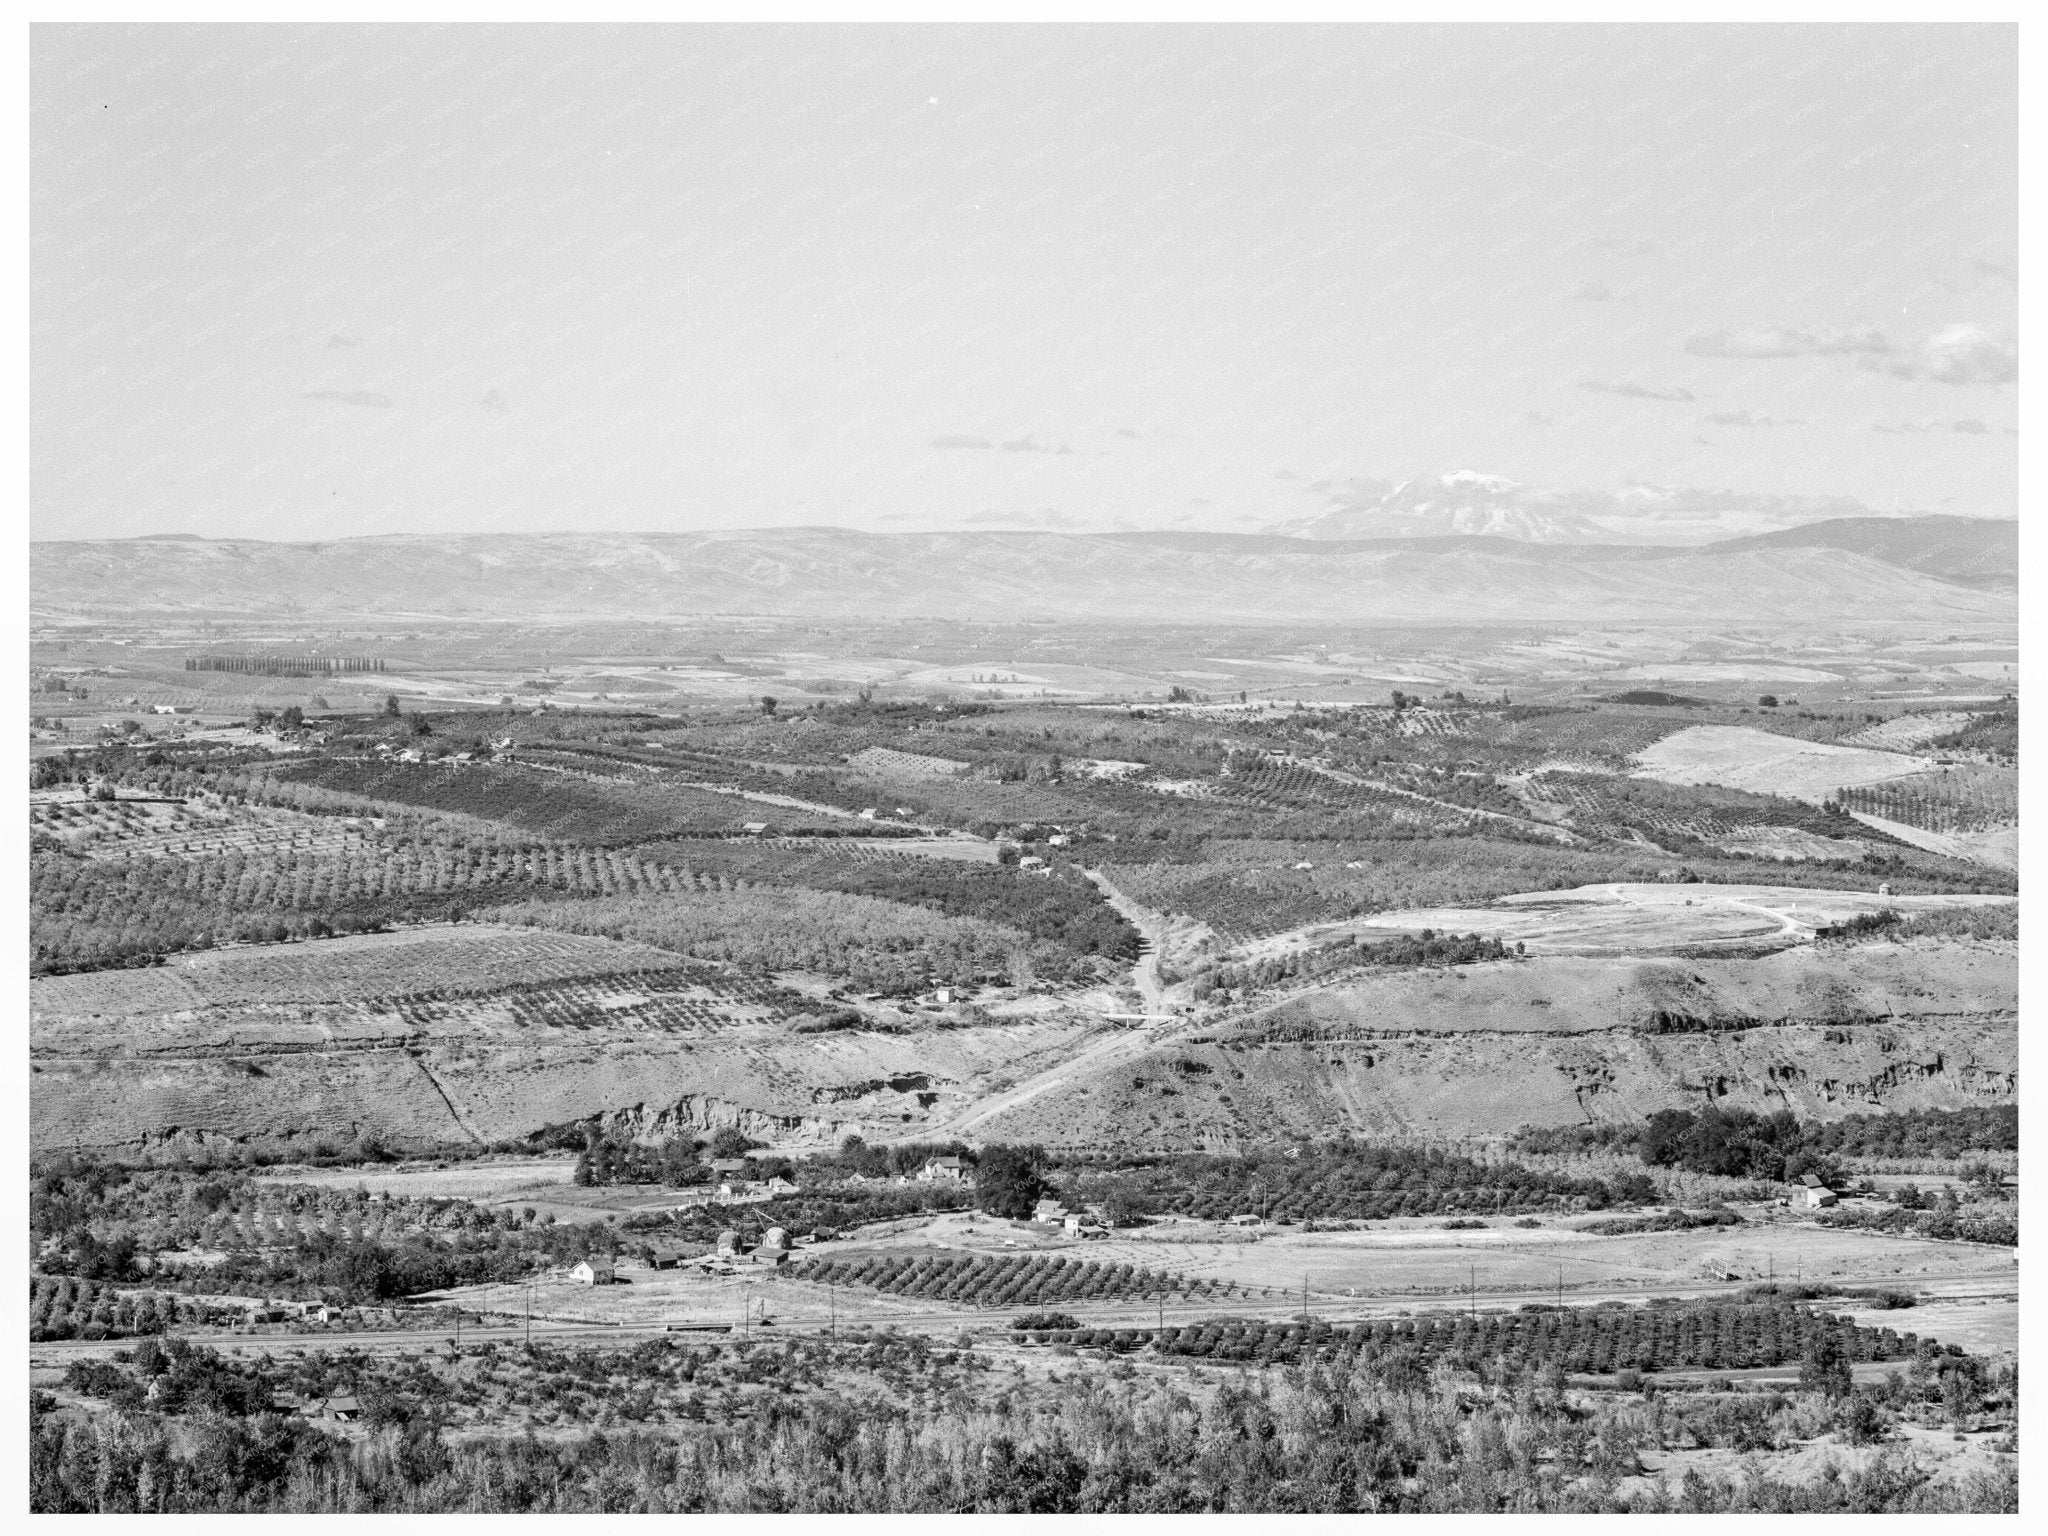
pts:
[942, 1169]
[1814, 1194]
[344, 1409]
[729, 1167]
[778, 1185]
[593, 1272]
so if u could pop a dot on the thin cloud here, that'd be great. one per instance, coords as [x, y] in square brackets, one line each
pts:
[493, 401]
[368, 397]
[1633, 245]
[1593, 293]
[1969, 426]
[1535, 420]
[338, 340]
[1030, 444]
[961, 440]
[1751, 419]
[1958, 354]
[1636, 391]
[1772, 342]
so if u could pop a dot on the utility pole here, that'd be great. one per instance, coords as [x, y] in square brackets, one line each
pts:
[1472, 1290]
[1560, 1287]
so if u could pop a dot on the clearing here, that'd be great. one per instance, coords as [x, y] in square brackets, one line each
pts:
[1642, 919]
[1739, 757]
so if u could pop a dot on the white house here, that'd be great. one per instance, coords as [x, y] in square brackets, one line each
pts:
[1813, 1194]
[941, 1169]
[593, 1272]
[781, 1186]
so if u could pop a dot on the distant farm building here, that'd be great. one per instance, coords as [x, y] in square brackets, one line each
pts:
[593, 1272]
[1813, 1194]
[942, 1170]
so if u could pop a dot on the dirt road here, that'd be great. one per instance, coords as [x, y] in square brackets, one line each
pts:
[1151, 935]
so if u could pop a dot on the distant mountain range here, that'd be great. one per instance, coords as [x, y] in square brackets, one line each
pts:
[1937, 569]
[1433, 506]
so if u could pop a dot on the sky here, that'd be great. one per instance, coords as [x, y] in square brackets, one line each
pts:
[315, 282]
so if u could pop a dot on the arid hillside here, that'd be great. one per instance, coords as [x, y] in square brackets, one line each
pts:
[290, 1045]
[1480, 1050]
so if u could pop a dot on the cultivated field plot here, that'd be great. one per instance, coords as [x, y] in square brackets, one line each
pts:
[1739, 757]
[1239, 905]
[994, 1280]
[1995, 847]
[1420, 1258]
[137, 828]
[578, 804]
[1789, 845]
[1611, 806]
[361, 967]
[1966, 798]
[887, 763]
[487, 1180]
[681, 997]
[1292, 787]
[1910, 732]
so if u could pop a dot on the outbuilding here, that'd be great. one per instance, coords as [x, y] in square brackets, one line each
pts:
[593, 1272]
[1814, 1195]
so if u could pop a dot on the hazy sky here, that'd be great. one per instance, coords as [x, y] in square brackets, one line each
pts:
[314, 281]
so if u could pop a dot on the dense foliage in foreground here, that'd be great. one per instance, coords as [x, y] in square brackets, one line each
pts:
[891, 1423]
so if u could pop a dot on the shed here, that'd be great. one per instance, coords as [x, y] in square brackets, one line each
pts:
[343, 1409]
[728, 1167]
[1813, 1194]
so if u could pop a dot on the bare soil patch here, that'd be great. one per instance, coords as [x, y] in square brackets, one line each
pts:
[1739, 757]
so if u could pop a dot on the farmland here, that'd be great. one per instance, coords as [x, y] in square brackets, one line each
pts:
[401, 1040]
[1763, 762]
[991, 1281]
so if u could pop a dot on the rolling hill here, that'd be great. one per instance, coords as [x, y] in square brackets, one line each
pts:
[1971, 551]
[1128, 578]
